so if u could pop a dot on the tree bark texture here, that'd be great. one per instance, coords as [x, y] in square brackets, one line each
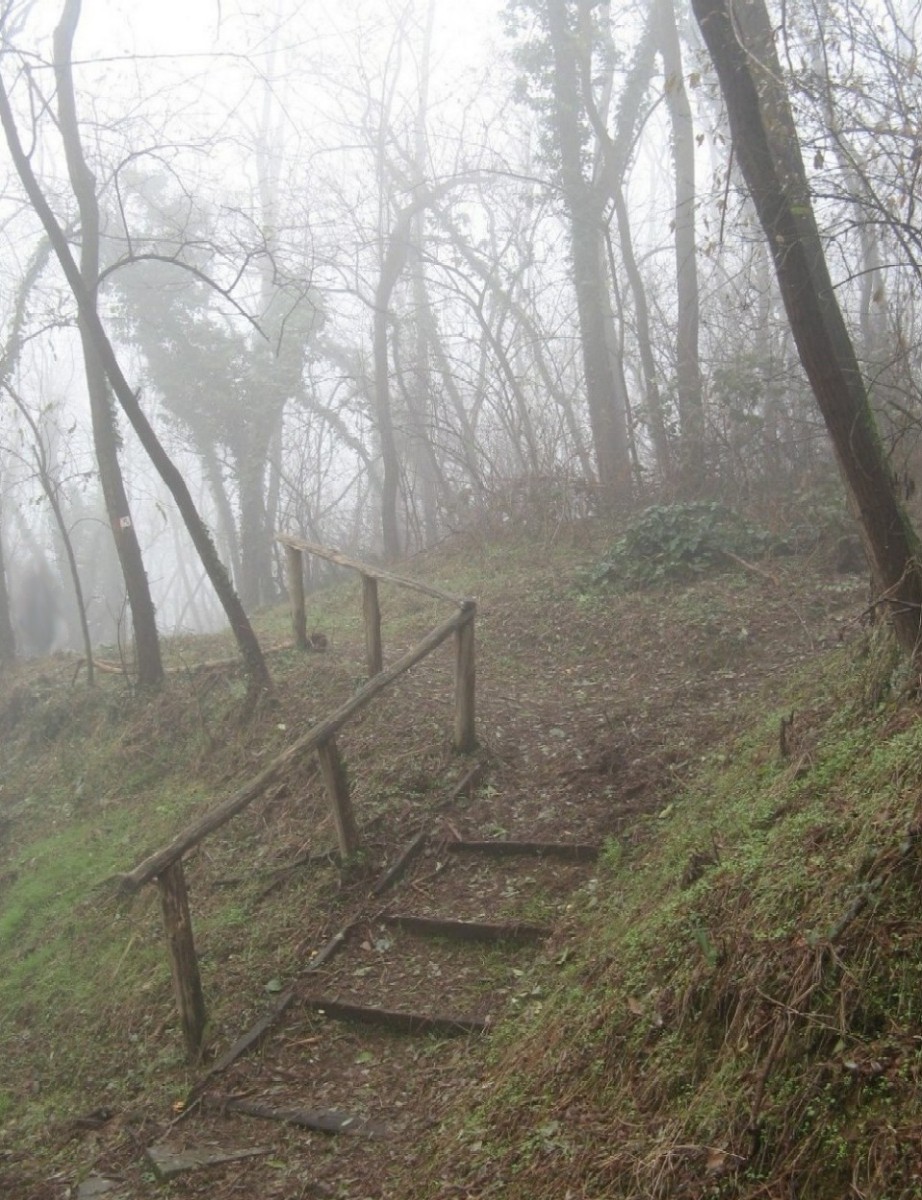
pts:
[187, 983]
[608, 423]
[336, 780]
[105, 432]
[254, 663]
[740, 40]
[688, 366]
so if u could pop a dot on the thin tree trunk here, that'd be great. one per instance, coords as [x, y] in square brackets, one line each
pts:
[394, 258]
[226, 524]
[392, 265]
[7, 639]
[656, 419]
[688, 367]
[8, 363]
[48, 486]
[255, 538]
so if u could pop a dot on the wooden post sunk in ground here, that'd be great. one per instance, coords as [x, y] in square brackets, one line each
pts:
[337, 785]
[296, 592]
[371, 611]
[465, 677]
[187, 983]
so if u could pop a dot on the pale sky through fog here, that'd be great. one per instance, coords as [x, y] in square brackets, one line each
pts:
[151, 28]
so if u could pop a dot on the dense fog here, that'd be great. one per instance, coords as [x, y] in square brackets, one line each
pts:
[376, 272]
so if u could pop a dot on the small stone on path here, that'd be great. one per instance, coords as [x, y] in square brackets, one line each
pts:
[99, 1185]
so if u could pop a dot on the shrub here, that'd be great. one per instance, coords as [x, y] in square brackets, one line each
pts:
[679, 541]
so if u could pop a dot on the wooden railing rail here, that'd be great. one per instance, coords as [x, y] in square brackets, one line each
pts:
[335, 556]
[320, 734]
[296, 548]
[166, 865]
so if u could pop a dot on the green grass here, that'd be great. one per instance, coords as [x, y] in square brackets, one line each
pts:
[681, 997]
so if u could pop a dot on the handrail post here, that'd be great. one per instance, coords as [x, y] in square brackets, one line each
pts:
[371, 612]
[337, 785]
[187, 983]
[465, 682]
[296, 592]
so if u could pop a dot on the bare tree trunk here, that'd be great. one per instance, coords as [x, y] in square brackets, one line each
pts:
[8, 363]
[255, 581]
[656, 419]
[226, 524]
[741, 44]
[606, 419]
[419, 388]
[49, 486]
[7, 640]
[257, 672]
[688, 367]
[392, 265]
[394, 259]
[105, 433]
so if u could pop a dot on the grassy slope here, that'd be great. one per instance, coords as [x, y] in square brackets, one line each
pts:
[744, 1013]
[707, 1037]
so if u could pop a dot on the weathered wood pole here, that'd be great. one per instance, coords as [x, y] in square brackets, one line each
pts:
[187, 983]
[337, 785]
[465, 676]
[296, 592]
[371, 611]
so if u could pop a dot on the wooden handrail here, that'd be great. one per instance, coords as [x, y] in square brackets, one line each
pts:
[158, 862]
[342, 560]
[166, 866]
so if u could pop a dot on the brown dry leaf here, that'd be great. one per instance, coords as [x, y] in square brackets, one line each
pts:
[716, 1160]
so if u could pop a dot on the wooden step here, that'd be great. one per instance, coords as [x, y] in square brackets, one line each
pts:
[469, 931]
[391, 876]
[565, 851]
[399, 1022]
[321, 1121]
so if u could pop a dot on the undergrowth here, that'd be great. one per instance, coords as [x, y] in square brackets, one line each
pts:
[669, 542]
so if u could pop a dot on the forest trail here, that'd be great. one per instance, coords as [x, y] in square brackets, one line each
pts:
[592, 710]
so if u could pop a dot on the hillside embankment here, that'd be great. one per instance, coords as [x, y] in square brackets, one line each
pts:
[722, 1002]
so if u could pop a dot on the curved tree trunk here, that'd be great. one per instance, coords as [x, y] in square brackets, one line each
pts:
[105, 432]
[257, 672]
[741, 44]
